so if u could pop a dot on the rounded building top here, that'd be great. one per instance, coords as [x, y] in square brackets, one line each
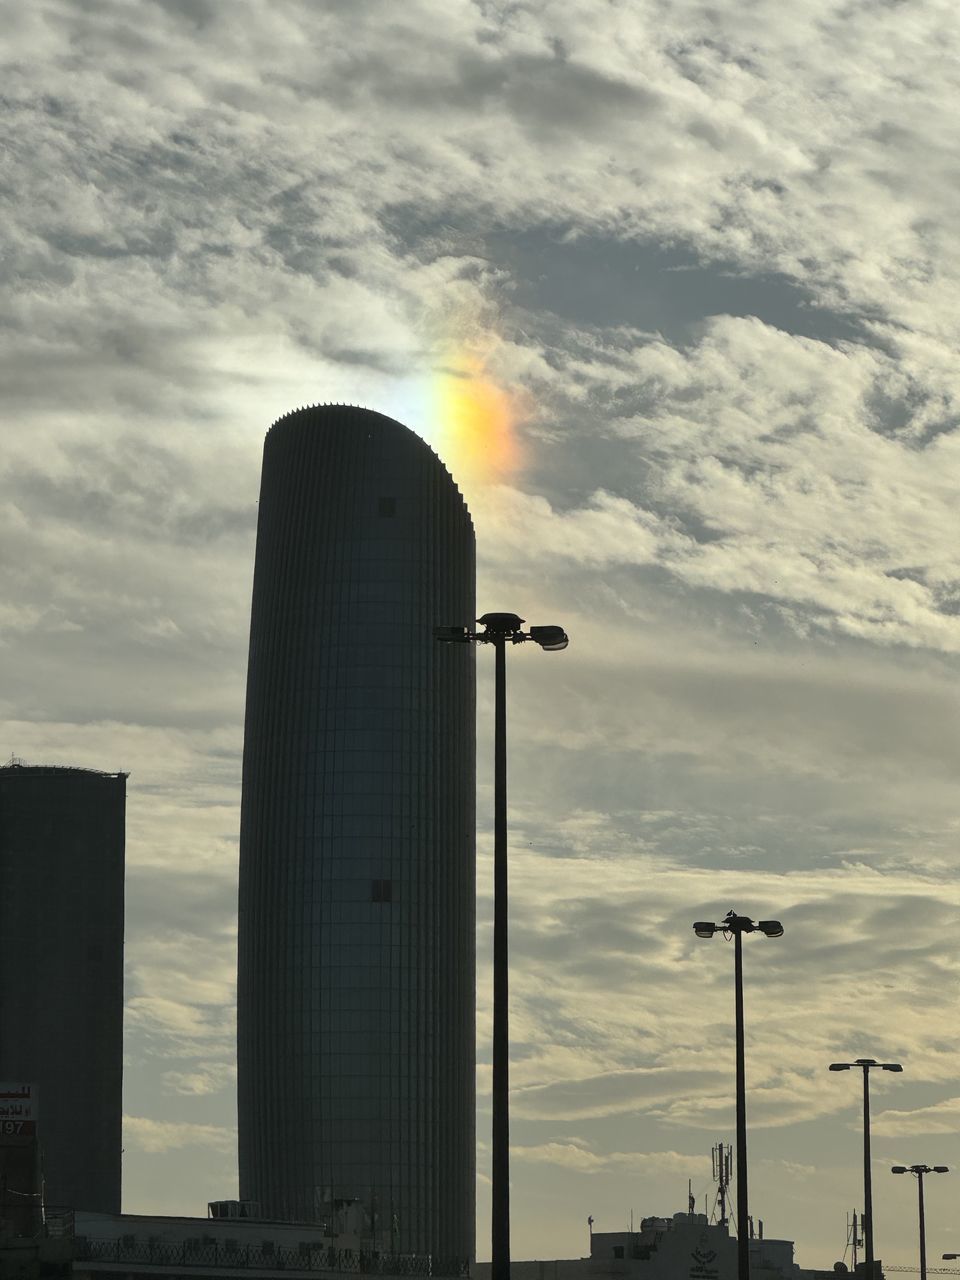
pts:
[361, 417]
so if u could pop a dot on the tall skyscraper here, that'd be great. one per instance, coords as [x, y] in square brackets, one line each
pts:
[356, 981]
[61, 972]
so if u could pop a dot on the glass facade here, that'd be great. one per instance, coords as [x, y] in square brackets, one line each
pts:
[356, 981]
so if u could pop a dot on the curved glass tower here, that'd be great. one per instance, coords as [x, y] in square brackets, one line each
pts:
[356, 980]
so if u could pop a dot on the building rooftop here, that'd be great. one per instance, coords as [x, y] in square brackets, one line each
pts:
[16, 764]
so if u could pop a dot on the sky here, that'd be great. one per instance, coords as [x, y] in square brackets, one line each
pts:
[674, 290]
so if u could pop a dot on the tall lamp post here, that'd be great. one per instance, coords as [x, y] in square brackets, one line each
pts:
[501, 629]
[918, 1170]
[865, 1065]
[736, 926]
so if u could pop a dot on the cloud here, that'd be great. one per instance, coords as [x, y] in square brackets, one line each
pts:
[695, 135]
[611, 1093]
[941, 1117]
[609, 530]
[619, 980]
[766, 473]
[156, 1136]
[181, 1019]
[210, 1078]
[578, 1157]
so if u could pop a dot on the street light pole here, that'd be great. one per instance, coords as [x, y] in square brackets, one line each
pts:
[918, 1170]
[736, 926]
[499, 628]
[743, 1239]
[500, 1224]
[867, 1226]
[866, 1218]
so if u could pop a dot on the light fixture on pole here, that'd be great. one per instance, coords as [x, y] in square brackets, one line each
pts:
[866, 1219]
[499, 630]
[736, 926]
[918, 1170]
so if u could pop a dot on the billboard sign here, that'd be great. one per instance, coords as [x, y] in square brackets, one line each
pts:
[18, 1110]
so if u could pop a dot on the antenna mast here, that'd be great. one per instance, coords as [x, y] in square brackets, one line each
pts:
[722, 1172]
[854, 1237]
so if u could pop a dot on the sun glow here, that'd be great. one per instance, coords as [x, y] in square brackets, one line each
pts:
[477, 420]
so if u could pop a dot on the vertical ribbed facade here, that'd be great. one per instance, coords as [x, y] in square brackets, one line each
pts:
[356, 980]
[61, 970]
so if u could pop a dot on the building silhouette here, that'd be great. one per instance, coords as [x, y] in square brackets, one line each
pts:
[61, 978]
[356, 969]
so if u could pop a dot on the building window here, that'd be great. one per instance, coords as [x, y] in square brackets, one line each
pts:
[381, 890]
[386, 507]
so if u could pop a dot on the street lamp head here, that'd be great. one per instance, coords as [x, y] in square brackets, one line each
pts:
[866, 1063]
[940, 1168]
[501, 624]
[452, 635]
[550, 638]
[733, 923]
[898, 1168]
[770, 928]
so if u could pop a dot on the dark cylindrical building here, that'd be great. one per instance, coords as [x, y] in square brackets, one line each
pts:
[356, 978]
[61, 973]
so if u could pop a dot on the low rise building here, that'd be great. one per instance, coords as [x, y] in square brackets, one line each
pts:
[233, 1241]
[686, 1246]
